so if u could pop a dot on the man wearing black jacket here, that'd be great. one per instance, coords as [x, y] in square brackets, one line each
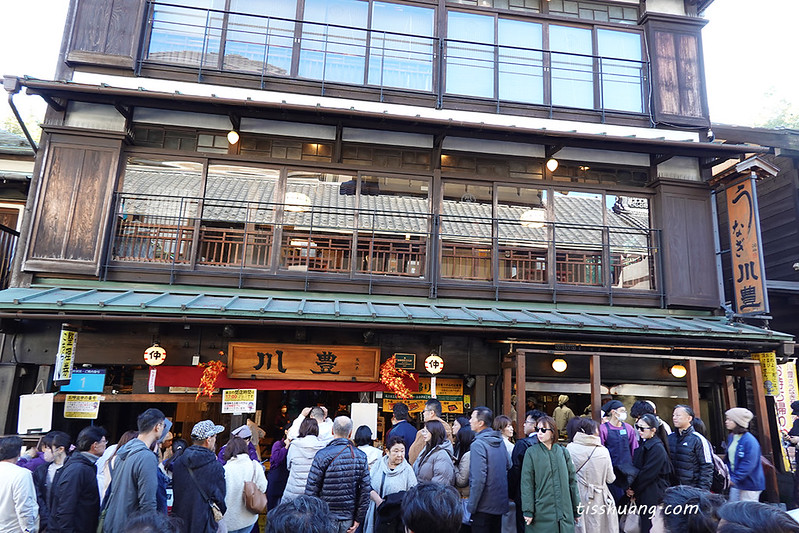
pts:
[692, 462]
[198, 479]
[517, 458]
[75, 503]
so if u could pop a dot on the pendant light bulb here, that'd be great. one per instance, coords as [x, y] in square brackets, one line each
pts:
[678, 371]
[552, 164]
[559, 365]
[233, 137]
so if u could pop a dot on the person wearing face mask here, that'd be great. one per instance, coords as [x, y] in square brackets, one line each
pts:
[654, 467]
[56, 451]
[620, 440]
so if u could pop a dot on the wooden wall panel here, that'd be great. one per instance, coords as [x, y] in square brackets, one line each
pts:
[106, 32]
[73, 200]
[690, 80]
[689, 261]
[667, 86]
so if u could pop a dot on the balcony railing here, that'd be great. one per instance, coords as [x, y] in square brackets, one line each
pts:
[263, 239]
[268, 47]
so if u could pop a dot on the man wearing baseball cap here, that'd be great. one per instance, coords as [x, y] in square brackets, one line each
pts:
[198, 480]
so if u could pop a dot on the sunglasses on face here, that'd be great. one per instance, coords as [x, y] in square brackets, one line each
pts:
[640, 428]
[544, 430]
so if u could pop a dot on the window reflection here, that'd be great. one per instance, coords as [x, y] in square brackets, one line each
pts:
[622, 78]
[334, 49]
[470, 54]
[631, 247]
[524, 234]
[466, 231]
[572, 70]
[260, 41]
[578, 237]
[521, 62]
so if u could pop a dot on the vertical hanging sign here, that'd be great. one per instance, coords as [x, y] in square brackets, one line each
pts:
[748, 272]
[65, 358]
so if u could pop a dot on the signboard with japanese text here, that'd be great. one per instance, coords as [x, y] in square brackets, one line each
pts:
[303, 362]
[749, 283]
[405, 361]
[768, 368]
[65, 357]
[787, 393]
[238, 401]
[449, 391]
[85, 406]
[86, 380]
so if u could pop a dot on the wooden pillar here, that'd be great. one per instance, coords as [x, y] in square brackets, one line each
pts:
[728, 391]
[507, 383]
[521, 392]
[693, 386]
[596, 388]
[761, 412]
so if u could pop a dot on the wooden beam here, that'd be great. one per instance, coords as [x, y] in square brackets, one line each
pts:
[521, 389]
[507, 384]
[761, 413]
[596, 388]
[552, 149]
[729, 391]
[693, 386]
[149, 398]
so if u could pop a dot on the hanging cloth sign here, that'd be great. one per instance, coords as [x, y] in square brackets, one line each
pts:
[65, 358]
[151, 381]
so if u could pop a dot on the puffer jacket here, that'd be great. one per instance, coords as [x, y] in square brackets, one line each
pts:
[692, 463]
[300, 456]
[437, 466]
[488, 474]
[75, 499]
[190, 505]
[340, 476]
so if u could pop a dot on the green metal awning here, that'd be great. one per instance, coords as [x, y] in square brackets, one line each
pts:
[105, 300]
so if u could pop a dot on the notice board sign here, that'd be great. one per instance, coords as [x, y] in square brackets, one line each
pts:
[86, 380]
[405, 361]
[65, 357]
[251, 360]
[238, 401]
[449, 391]
[84, 406]
[35, 413]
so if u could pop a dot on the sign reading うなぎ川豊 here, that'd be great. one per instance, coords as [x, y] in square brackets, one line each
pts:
[303, 362]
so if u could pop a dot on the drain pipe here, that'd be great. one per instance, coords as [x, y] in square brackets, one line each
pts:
[12, 85]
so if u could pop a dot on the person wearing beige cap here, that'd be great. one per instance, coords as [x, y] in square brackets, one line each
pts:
[562, 414]
[743, 457]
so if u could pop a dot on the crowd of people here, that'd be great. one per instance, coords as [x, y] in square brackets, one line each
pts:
[326, 476]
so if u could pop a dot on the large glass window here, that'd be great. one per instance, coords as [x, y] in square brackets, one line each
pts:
[622, 77]
[631, 241]
[578, 237]
[470, 54]
[260, 36]
[393, 226]
[572, 66]
[523, 232]
[466, 231]
[521, 61]
[318, 222]
[333, 48]
[187, 32]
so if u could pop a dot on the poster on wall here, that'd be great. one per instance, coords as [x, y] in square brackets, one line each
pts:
[449, 391]
[238, 401]
[35, 413]
[84, 406]
[768, 369]
[787, 392]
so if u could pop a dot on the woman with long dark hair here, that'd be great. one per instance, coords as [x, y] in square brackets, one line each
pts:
[651, 458]
[435, 463]
[56, 451]
[463, 444]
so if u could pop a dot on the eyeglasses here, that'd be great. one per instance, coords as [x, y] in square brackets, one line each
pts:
[639, 428]
[544, 430]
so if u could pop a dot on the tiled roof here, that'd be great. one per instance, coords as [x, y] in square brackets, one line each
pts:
[13, 144]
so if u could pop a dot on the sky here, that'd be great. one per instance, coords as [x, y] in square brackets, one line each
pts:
[748, 66]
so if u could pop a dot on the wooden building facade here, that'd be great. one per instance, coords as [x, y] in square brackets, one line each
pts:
[514, 177]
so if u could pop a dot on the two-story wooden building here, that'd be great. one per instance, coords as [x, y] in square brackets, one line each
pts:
[364, 177]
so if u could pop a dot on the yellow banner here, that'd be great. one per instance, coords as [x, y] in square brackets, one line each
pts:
[64, 358]
[85, 406]
[449, 391]
[417, 406]
[787, 393]
[768, 368]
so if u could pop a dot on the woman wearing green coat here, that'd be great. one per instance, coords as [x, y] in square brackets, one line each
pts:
[550, 497]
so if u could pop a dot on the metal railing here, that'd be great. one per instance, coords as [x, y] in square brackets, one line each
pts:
[269, 239]
[272, 47]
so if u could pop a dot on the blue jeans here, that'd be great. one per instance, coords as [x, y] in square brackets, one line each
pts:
[738, 495]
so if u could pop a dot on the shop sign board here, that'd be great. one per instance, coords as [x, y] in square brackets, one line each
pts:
[85, 406]
[768, 368]
[749, 282]
[238, 401]
[449, 391]
[405, 361]
[251, 360]
[65, 357]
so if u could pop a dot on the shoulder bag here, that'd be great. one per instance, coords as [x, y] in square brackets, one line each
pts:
[254, 500]
[214, 507]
